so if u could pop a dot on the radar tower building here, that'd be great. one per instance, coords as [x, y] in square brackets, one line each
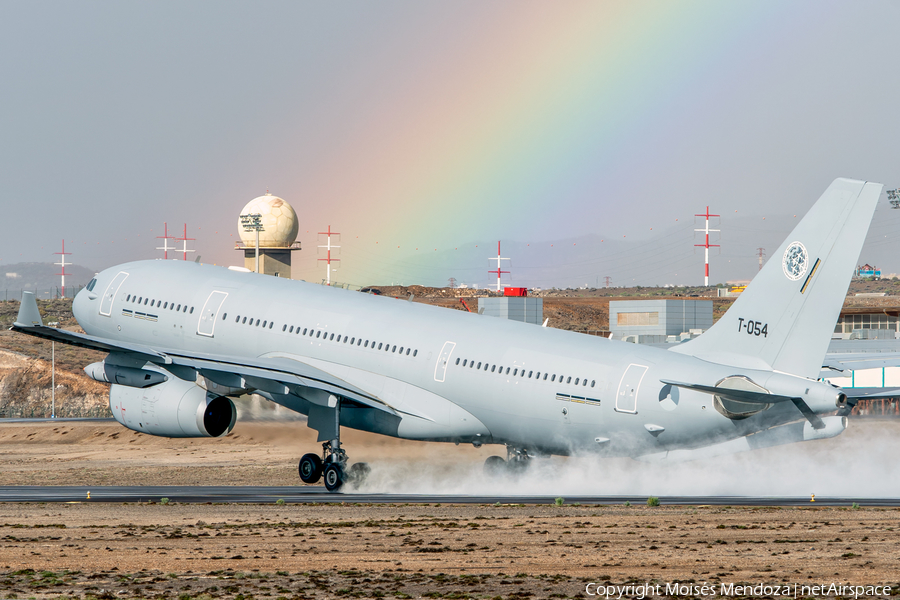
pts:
[268, 227]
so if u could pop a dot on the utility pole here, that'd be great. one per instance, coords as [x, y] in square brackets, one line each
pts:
[52, 379]
[328, 248]
[607, 280]
[498, 271]
[706, 245]
[452, 281]
[761, 253]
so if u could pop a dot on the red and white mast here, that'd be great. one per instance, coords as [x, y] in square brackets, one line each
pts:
[62, 263]
[165, 237]
[498, 271]
[184, 238]
[706, 245]
[328, 248]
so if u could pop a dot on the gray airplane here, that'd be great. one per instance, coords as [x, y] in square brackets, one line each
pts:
[183, 338]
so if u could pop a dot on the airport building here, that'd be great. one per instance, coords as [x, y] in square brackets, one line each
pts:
[658, 321]
[277, 226]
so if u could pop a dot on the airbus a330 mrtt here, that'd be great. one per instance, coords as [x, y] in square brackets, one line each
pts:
[184, 338]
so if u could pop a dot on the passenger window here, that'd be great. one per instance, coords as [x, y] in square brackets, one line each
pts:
[493, 367]
[529, 374]
[128, 298]
[584, 383]
[479, 366]
[359, 342]
[569, 380]
[338, 339]
[464, 362]
[457, 361]
[485, 366]
[407, 351]
[146, 300]
[271, 324]
[318, 334]
[237, 318]
[576, 380]
[179, 307]
[244, 321]
[593, 381]
[284, 327]
[140, 300]
[553, 378]
[304, 331]
[379, 345]
[415, 352]
[166, 305]
[352, 341]
[264, 323]
[257, 322]
[367, 344]
[223, 315]
[192, 310]
[515, 372]
[291, 329]
[331, 338]
[394, 349]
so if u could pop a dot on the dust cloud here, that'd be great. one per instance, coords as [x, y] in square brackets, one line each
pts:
[862, 462]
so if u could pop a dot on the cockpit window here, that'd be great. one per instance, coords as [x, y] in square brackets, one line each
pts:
[91, 284]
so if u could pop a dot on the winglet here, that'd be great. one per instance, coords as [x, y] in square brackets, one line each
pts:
[29, 315]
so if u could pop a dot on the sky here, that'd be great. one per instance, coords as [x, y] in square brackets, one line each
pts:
[583, 135]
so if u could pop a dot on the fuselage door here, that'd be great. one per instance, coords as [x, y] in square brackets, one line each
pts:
[629, 385]
[440, 369]
[210, 312]
[109, 295]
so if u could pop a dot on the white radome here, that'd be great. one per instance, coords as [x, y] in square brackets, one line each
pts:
[279, 221]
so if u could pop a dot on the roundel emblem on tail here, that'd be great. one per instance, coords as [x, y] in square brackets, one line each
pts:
[795, 261]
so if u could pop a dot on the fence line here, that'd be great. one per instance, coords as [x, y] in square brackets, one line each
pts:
[13, 295]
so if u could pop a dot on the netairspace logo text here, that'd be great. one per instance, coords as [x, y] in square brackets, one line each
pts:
[793, 590]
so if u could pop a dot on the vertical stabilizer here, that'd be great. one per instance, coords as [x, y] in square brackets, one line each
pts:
[785, 317]
[29, 315]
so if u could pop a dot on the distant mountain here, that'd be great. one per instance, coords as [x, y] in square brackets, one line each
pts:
[42, 278]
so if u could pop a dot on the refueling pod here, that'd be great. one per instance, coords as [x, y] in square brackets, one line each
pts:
[174, 408]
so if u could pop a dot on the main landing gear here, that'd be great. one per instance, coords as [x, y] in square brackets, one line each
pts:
[332, 466]
[332, 469]
[516, 463]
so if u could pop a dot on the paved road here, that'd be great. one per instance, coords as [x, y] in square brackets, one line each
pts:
[316, 494]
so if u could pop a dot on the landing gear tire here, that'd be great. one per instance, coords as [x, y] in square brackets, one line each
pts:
[310, 468]
[334, 477]
[495, 466]
[358, 472]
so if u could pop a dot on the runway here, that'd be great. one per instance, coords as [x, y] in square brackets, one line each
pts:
[318, 495]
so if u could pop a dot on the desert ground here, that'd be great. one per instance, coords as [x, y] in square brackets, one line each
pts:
[186, 551]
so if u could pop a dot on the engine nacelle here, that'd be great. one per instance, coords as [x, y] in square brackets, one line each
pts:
[174, 408]
[108, 373]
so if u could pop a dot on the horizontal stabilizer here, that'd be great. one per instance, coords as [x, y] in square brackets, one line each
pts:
[736, 395]
[750, 397]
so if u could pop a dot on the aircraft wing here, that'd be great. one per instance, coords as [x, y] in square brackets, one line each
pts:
[279, 376]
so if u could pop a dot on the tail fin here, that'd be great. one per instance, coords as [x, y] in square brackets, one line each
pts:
[29, 315]
[784, 319]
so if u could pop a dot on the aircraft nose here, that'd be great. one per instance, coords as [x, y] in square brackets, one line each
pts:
[81, 303]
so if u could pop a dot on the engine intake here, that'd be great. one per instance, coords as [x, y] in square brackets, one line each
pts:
[174, 408]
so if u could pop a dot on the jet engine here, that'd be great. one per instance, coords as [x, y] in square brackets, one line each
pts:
[174, 408]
